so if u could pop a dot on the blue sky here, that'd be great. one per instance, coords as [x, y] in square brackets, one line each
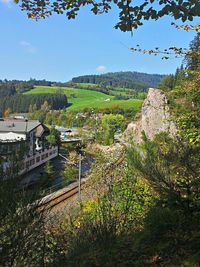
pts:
[57, 49]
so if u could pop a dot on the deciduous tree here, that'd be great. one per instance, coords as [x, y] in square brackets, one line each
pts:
[131, 14]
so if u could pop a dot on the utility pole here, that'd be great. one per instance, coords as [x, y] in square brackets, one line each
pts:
[79, 179]
[79, 173]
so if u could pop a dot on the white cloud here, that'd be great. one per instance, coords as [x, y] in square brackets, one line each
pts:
[101, 68]
[28, 47]
[7, 3]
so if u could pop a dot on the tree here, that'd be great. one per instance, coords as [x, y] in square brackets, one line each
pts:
[45, 106]
[69, 174]
[131, 14]
[180, 76]
[30, 109]
[51, 139]
[193, 59]
[7, 112]
[109, 125]
[167, 83]
[187, 107]
[22, 231]
[54, 137]
[34, 108]
[48, 169]
[47, 178]
[171, 168]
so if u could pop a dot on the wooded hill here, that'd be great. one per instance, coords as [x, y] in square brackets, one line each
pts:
[21, 103]
[135, 80]
[12, 96]
[8, 88]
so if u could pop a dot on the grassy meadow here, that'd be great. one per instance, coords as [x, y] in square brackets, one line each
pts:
[81, 99]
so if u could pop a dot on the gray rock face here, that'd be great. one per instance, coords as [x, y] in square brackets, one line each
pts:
[155, 118]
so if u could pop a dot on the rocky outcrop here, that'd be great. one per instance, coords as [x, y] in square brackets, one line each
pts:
[155, 118]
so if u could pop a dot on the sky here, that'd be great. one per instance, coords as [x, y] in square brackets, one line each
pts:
[57, 49]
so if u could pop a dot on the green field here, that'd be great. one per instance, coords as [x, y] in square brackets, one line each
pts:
[123, 91]
[81, 99]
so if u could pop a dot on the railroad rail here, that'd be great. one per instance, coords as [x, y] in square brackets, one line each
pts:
[52, 200]
[56, 198]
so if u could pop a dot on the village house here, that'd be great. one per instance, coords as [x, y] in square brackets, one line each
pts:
[28, 136]
[67, 134]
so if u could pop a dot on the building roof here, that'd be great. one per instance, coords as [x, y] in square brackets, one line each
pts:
[62, 129]
[18, 126]
[41, 129]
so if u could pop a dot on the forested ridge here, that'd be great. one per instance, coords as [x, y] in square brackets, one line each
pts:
[12, 87]
[13, 99]
[135, 80]
[22, 103]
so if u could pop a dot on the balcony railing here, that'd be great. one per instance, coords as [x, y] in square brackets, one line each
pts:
[38, 158]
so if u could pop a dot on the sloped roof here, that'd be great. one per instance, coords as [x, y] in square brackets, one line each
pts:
[18, 126]
[41, 129]
[62, 129]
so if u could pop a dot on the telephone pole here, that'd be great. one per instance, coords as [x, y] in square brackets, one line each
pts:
[79, 179]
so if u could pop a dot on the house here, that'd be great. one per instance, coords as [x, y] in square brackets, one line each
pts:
[27, 136]
[81, 115]
[65, 133]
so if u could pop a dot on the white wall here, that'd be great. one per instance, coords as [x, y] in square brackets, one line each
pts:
[39, 158]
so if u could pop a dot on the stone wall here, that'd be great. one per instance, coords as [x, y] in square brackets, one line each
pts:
[155, 118]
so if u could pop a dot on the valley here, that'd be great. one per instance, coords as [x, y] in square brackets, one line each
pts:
[80, 99]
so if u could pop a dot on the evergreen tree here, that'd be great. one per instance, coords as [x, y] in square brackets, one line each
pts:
[172, 168]
[47, 178]
[167, 83]
[193, 58]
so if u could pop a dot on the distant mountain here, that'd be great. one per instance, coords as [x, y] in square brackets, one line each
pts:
[135, 80]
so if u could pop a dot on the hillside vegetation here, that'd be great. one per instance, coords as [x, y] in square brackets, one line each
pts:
[140, 206]
[81, 99]
[21, 103]
[118, 92]
[135, 80]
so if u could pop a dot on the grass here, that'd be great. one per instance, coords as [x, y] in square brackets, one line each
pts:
[113, 91]
[81, 99]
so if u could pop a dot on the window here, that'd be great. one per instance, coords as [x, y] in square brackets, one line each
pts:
[32, 161]
[38, 159]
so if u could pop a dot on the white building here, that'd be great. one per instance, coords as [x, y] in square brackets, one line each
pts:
[28, 136]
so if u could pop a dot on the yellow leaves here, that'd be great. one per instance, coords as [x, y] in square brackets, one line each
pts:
[187, 27]
[193, 84]
[73, 156]
[77, 224]
[7, 113]
[89, 205]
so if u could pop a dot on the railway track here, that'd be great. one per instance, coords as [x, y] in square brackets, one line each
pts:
[54, 199]
[58, 197]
